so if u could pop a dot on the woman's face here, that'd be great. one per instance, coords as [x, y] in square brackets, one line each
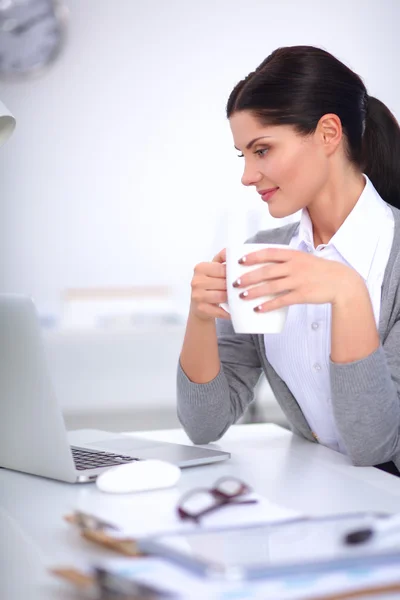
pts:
[277, 158]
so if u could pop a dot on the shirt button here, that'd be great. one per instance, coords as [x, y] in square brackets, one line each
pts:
[314, 326]
[317, 367]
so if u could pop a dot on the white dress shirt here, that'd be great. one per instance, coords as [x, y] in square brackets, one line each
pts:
[300, 354]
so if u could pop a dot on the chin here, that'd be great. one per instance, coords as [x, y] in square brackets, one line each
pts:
[279, 212]
[281, 206]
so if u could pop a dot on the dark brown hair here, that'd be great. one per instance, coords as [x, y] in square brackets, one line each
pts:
[297, 85]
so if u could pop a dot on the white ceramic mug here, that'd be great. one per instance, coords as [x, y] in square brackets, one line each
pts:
[7, 123]
[244, 318]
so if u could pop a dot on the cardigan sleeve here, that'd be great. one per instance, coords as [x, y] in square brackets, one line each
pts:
[207, 410]
[365, 402]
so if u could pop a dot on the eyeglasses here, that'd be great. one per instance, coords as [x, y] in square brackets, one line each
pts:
[226, 491]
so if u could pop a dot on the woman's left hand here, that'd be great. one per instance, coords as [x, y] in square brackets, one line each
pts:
[298, 277]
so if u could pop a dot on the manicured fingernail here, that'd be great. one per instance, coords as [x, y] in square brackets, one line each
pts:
[258, 309]
[244, 294]
[242, 260]
[236, 283]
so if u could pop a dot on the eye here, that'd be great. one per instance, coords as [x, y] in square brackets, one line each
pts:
[262, 152]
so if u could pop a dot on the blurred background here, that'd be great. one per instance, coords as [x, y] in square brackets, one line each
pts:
[121, 174]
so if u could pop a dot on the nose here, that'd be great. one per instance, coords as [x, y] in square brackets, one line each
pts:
[251, 176]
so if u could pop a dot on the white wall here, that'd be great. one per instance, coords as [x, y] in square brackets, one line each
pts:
[122, 167]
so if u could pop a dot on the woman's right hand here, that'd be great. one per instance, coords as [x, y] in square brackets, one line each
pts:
[209, 289]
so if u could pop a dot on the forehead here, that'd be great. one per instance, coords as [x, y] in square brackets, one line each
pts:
[245, 128]
[244, 119]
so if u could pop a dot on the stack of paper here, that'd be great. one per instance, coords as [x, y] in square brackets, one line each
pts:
[345, 584]
[139, 515]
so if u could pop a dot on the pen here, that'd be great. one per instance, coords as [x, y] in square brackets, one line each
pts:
[380, 527]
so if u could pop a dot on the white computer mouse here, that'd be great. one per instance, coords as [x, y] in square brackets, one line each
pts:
[139, 476]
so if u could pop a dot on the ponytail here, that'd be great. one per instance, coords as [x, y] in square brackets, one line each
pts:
[380, 153]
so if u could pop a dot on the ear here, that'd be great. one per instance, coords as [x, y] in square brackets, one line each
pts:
[330, 133]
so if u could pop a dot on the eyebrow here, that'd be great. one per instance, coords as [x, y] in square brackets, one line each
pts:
[250, 144]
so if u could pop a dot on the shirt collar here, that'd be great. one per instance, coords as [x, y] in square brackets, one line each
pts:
[357, 238]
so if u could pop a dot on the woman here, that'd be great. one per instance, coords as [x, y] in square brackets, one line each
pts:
[312, 140]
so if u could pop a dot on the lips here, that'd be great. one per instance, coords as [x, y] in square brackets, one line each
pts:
[267, 194]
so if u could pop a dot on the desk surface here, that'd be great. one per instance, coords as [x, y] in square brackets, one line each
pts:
[284, 468]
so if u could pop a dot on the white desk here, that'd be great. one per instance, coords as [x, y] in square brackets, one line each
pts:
[284, 468]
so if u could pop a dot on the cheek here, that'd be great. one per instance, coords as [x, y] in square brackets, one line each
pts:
[303, 170]
[300, 173]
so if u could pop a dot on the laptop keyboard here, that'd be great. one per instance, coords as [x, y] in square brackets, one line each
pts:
[92, 459]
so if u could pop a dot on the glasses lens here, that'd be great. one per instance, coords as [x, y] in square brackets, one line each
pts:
[232, 487]
[198, 502]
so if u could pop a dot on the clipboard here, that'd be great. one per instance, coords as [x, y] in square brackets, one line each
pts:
[120, 531]
[304, 546]
[103, 534]
[104, 584]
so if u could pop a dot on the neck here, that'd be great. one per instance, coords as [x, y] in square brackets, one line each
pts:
[334, 204]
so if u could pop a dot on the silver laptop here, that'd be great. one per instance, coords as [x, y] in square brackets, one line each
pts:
[33, 438]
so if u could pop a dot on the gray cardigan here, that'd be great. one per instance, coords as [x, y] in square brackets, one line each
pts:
[365, 393]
